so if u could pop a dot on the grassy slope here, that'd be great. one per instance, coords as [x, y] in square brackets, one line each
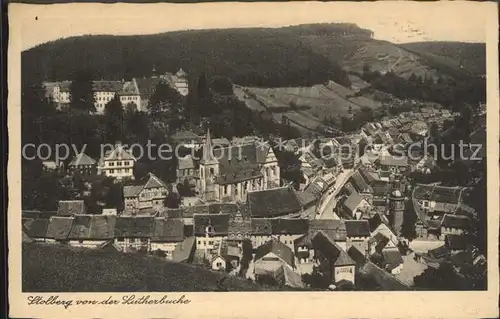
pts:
[47, 268]
[472, 56]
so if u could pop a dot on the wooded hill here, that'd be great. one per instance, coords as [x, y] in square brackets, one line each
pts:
[300, 55]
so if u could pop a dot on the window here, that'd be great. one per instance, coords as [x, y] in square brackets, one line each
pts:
[125, 163]
[120, 240]
[118, 163]
[111, 171]
[199, 242]
[210, 242]
[111, 163]
[144, 240]
[132, 240]
[219, 264]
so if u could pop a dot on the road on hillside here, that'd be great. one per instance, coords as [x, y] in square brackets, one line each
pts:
[326, 210]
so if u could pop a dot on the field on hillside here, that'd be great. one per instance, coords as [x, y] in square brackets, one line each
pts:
[308, 106]
[51, 268]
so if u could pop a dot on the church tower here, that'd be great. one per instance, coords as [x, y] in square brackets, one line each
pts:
[209, 170]
[396, 206]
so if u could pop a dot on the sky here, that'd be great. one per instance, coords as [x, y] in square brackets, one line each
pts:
[397, 22]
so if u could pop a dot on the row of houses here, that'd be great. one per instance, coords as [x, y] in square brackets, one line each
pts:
[138, 91]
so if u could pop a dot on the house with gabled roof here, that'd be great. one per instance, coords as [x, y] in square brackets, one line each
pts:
[118, 163]
[262, 231]
[133, 233]
[271, 256]
[358, 233]
[82, 164]
[149, 195]
[210, 229]
[334, 262]
[167, 234]
[71, 207]
[352, 206]
[92, 231]
[454, 225]
[59, 228]
[334, 229]
[35, 228]
[272, 203]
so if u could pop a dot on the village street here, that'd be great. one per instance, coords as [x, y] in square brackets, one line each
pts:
[326, 209]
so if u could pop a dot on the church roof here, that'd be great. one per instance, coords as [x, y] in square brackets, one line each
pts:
[273, 202]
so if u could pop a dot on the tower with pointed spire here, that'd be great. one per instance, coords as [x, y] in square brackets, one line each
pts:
[396, 205]
[209, 170]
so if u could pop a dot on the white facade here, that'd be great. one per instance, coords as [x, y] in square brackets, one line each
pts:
[87, 243]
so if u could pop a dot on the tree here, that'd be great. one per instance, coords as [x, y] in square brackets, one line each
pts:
[222, 85]
[164, 101]
[202, 87]
[443, 278]
[113, 112]
[408, 229]
[82, 93]
[172, 200]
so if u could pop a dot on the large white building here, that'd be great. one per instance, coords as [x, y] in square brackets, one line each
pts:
[118, 163]
[137, 91]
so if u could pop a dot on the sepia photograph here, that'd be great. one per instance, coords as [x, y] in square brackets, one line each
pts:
[230, 148]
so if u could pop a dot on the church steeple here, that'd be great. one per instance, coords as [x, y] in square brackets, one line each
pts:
[208, 151]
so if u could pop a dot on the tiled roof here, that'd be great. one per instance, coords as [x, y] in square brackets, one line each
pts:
[219, 224]
[437, 193]
[186, 162]
[384, 279]
[119, 153]
[359, 183]
[107, 86]
[154, 182]
[59, 227]
[276, 247]
[392, 258]
[98, 227]
[132, 190]
[134, 227]
[357, 256]
[261, 226]
[307, 197]
[82, 159]
[273, 202]
[352, 202]
[168, 230]
[289, 226]
[36, 228]
[147, 86]
[455, 221]
[388, 160]
[331, 250]
[183, 252]
[186, 136]
[344, 260]
[357, 228]
[333, 229]
[70, 207]
[172, 213]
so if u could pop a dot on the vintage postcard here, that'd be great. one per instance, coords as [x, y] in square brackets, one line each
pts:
[253, 160]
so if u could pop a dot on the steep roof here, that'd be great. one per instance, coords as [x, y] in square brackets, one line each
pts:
[82, 159]
[132, 190]
[261, 226]
[331, 250]
[184, 136]
[357, 228]
[278, 248]
[183, 252]
[119, 153]
[186, 162]
[147, 86]
[59, 227]
[273, 202]
[134, 227]
[154, 182]
[356, 255]
[359, 183]
[168, 230]
[392, 258]
[70, 207]
[97, 227]
[352, 202]
[443, 194]
[107, 86]
[289, 226]
[219, 224]
[455, 221]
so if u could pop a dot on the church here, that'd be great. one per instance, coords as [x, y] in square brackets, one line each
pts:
[229, 173]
